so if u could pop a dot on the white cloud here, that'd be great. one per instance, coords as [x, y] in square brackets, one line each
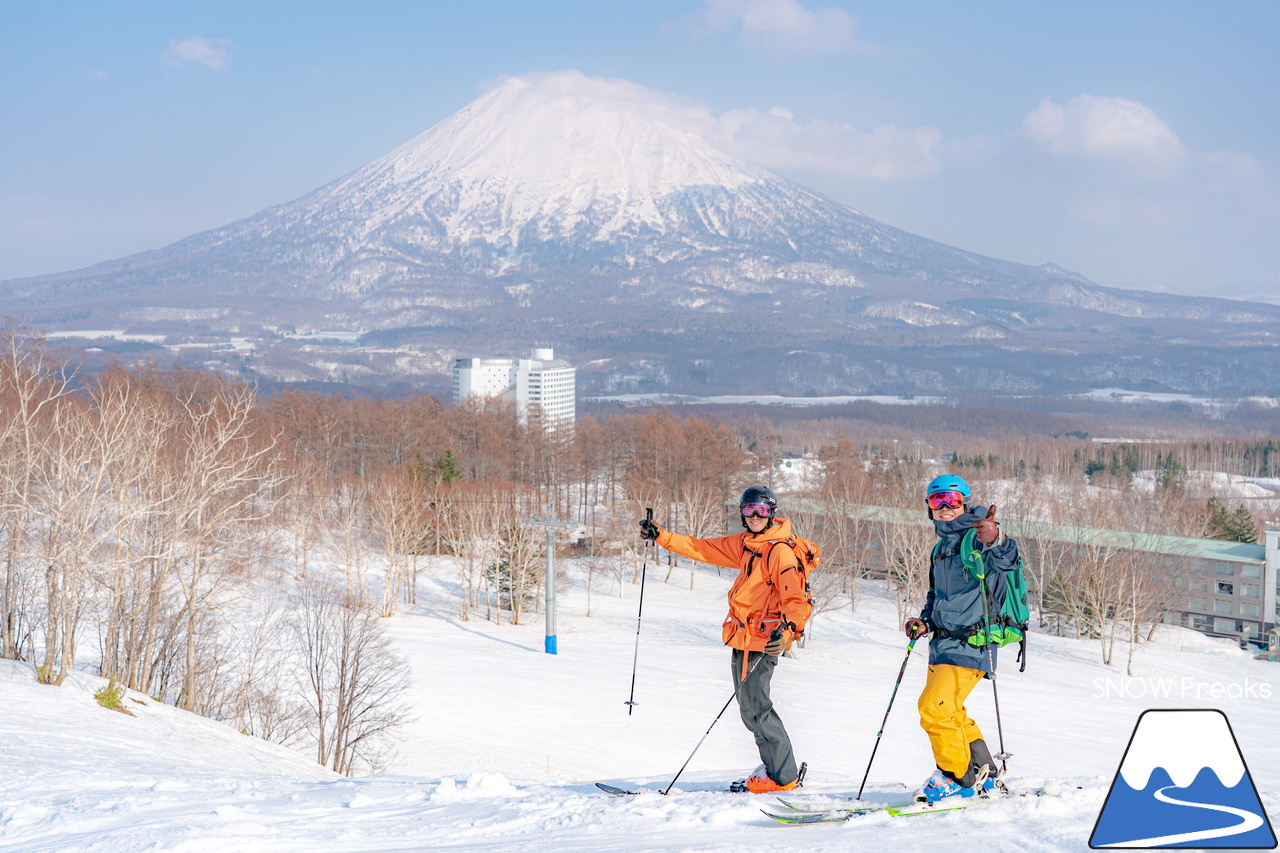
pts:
[779, 26]
[198, 50]
[776, 140]
[1111, 129]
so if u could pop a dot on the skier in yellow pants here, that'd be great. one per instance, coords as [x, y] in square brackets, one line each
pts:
[953, 613]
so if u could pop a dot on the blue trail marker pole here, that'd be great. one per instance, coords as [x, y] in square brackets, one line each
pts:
[550, 525]
[550, 643]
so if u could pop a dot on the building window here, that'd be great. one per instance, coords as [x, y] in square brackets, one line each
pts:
[1226, 588]
[1199, 585]
[1249, 590]
[1203, 604]
[1250, 610]
[1223, 607]
[1224, 569]
[1226, 626]
[1251, 570]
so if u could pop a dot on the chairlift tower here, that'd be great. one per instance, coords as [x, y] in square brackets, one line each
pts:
[550, 525]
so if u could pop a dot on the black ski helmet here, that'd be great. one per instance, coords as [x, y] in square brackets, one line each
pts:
[758, 495]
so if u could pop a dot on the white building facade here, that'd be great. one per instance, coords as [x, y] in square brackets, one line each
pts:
[541, 384]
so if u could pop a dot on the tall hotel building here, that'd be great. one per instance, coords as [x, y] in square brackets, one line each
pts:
[540, 384]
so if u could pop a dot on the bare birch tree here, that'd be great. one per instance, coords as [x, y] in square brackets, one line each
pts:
[352, 682]
[32, 382]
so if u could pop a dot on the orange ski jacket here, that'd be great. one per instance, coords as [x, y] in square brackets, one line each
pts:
[764, 595]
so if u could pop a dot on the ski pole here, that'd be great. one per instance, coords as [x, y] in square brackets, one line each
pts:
[777, 634]
[902, 669]
[635, 657]
[1003, 756]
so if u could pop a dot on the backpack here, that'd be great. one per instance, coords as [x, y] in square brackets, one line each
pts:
[1009, 625]
[808, 558]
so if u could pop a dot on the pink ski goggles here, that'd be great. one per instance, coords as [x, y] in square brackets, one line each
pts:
[938, 500]
[759, 510]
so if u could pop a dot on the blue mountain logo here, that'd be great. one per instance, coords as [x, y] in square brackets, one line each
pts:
[1183, 783]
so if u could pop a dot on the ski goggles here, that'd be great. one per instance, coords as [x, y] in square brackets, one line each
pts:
[760, 510]
[938, 500]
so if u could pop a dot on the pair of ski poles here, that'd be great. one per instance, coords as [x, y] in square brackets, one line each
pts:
[1003, 756]
[631, 703]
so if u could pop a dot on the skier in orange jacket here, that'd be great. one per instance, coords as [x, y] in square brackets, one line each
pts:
[768, 605]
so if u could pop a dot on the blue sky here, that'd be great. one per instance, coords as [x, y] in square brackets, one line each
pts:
[1137, 143]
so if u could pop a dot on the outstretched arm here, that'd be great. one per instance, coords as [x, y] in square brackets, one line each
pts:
[725, 551]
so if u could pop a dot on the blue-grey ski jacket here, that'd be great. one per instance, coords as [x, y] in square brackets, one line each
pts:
[954, 602]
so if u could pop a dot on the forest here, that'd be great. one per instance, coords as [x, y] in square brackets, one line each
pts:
[233, 552]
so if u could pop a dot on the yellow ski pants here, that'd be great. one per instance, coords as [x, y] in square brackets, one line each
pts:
[944, 719]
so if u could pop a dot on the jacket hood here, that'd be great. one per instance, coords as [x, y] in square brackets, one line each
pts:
[779, 529]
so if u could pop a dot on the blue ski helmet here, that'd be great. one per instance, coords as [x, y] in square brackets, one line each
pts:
[948, 483]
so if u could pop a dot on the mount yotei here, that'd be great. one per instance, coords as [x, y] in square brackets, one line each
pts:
[594, 215]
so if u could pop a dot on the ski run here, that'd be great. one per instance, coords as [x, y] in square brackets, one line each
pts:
[507, 742]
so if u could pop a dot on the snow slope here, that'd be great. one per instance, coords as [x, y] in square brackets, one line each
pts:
[508, 741]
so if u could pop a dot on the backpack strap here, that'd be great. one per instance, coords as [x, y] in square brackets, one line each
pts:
[773, 543]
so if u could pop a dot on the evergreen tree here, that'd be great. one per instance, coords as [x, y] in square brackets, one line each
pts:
[448, 471]
[1231, 525]
[1169, 471]
[1241, 527]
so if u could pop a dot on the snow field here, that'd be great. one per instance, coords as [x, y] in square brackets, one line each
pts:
[508, 741]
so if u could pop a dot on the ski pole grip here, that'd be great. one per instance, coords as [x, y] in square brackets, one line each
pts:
[648, 513]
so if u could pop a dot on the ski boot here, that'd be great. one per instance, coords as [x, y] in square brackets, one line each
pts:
[759, 782]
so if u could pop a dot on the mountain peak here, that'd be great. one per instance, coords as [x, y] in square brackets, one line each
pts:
[559, 153]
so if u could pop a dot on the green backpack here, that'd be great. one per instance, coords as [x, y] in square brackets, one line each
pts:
[1009, 626]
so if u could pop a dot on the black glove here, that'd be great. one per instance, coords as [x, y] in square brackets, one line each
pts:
[777, 643]
[916, 628]
[649, 530]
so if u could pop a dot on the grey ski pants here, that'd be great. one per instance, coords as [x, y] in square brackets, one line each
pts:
[760, 718]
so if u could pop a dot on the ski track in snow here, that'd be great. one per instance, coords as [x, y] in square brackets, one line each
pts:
[508, 741]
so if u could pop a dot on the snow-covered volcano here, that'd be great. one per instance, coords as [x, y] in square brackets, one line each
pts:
[558, 173]
[556, 156]
[596, 215]
[549, 164]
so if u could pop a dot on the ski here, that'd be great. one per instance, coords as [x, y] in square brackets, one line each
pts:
[614, 791]
[843, 806]
[800, 814]
[939, 806]
[834, 815]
